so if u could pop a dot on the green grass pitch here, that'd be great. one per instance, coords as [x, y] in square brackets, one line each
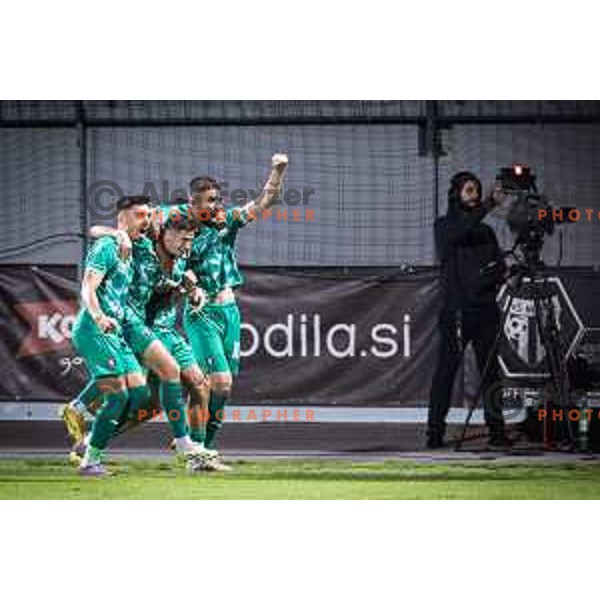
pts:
[304, 479]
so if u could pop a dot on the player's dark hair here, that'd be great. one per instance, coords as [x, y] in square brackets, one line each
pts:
[201, 184]
[181, 224]
[128, 201]
[456, 185]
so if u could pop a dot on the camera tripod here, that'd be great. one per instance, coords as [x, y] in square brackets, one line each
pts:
[530, 277]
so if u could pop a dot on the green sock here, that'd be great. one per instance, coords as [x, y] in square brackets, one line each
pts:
[171, 398]
[107, 418]
[216, 406]
[197, 432]
[85, 398]
[197, 421]
[138, 399]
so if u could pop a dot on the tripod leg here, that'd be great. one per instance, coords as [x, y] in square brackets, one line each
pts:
[548, 337]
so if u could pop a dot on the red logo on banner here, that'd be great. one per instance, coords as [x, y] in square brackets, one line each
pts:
[50, 324]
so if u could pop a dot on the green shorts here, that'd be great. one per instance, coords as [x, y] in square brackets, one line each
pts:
[214, 334]
[105, 354]
[137, 334]
[179, 349]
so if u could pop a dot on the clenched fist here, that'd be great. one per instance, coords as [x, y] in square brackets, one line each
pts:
[279, 161]
[106, 324]
[189, 280]
[197, 298]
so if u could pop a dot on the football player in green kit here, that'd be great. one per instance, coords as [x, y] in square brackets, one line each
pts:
[153, 265]
[161, 318]
[214, 332]
[98, 329]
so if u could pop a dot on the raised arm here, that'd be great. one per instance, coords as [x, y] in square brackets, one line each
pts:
[456, 228]
[272, 188]
[459, 226]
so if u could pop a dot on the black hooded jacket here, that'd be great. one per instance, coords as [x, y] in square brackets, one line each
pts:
[471, 261]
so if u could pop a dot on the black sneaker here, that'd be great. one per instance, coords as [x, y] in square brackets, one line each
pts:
[498, 443]
[435, 442]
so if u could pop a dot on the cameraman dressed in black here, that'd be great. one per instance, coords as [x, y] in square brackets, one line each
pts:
[471, 270]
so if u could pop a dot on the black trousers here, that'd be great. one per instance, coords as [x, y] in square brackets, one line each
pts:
[479, 326]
